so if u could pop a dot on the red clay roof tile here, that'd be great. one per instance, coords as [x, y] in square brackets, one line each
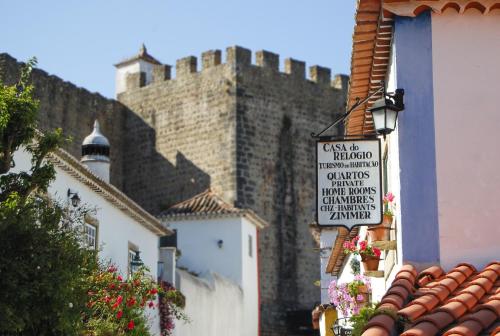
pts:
[406, 275]
[409, 268]
[428, 301]
[483, 282]
[467, 299]
[475, 290]
[433, 271]
[456, 309]
[461, 302]
[424, 280]
[439, 319]
[484, 316]
[468, 328]
[399, 290]
[450, 284]
[405, 283]
[422, 329]
[413, 311]
[376, 331]
[395, 299]
[459, 277]
[382, 321]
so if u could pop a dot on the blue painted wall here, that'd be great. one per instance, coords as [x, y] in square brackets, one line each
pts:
[419, 214]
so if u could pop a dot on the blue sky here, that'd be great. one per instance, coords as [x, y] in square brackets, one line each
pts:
[80, 41]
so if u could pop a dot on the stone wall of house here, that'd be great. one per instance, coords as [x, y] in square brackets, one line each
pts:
[74, 109]
[244, 130]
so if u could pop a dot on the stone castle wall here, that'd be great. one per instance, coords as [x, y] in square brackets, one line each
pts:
[244, 130]
[64, 105]
[276, 114]
[187, 142]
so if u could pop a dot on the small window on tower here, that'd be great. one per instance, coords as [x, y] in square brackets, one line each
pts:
[250, 246]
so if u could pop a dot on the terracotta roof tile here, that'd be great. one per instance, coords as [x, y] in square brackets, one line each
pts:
[468, 328]
[461, 302]
[376, 331]
[434, 272]
[382, 321]
[422, 329]
[209, 204]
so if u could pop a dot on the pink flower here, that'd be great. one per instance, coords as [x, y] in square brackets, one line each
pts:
[377, 252]
[362, 245]
[119, 314]
[119, 278]
[389, 197]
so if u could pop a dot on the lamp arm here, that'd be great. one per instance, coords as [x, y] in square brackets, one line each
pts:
[345, 115]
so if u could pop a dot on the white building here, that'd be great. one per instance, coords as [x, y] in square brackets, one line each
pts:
[440, 161]
[118, 226]
[219, 265]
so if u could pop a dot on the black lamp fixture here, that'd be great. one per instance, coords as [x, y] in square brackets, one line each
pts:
[74, 198]
[385, 111]
[136, 262]
[220, 243]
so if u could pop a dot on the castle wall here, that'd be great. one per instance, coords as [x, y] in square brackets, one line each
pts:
[276, 114]
[186, 144]
[244, 130]
[73, 109]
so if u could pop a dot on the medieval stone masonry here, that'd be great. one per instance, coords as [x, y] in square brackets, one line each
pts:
[242, 129]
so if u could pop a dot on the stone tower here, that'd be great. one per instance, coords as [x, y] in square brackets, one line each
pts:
[243, 130]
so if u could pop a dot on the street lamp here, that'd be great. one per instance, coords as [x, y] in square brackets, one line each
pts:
[74, 198]
[136, 263]
[385, 111]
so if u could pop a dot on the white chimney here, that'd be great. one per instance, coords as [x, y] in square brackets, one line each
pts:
[95, 153]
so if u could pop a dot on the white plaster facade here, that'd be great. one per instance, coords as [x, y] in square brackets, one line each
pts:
[117, 229]
[236, 261]
[466, 50]
[135, 67]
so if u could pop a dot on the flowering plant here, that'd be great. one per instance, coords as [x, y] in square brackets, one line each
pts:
[389, 204]
[116, 306]
[347, 297]
[361, 248]
[172, 303]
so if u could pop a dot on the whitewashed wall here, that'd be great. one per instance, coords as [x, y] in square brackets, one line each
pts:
[197, 241]
[115, 230]
[135, 67]
[214, 305]
[466, 50]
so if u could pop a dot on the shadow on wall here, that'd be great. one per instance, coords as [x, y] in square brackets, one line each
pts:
[144, 168]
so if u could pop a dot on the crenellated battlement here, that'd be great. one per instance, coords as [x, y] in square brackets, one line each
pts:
[235, 56]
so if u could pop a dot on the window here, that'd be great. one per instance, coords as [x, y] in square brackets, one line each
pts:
[132, 249]
[90, 236]
[250, 246]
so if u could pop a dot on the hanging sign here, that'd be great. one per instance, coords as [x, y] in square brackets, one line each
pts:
[349, 183]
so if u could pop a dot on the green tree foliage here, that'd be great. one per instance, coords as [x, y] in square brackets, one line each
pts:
[43, 266]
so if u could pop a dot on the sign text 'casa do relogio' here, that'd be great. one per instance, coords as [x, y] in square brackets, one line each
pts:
[349, 183]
